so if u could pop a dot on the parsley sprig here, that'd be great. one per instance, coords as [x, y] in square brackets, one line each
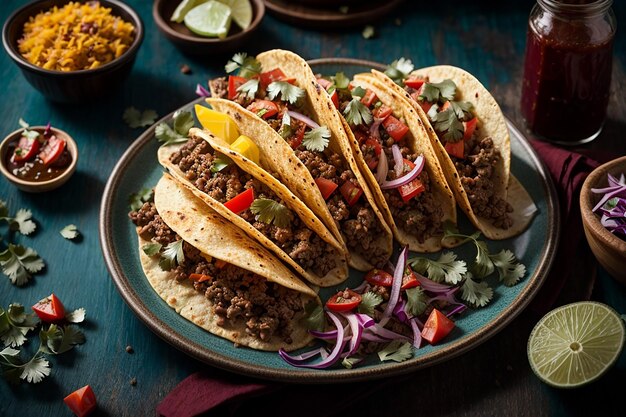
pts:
[399, 69]
[288, 92]
[177, 133]
[397, 351]
[270, 212]
[248, 66]
[357, 113]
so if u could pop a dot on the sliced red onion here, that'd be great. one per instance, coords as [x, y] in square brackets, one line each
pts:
[304, 119]
[419, 165]
[374, 338]
[617, 191]
[397, 158]
[357, 332]
[417, 334]
[379, 330]
[308, 355]
[432, 286]
[400, 312]
[365, 320]
[458, 309]
[374, 132]
[202, 92]
[398, 273]
[382, 169]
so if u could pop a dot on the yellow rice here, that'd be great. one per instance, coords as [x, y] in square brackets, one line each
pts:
[77, 36]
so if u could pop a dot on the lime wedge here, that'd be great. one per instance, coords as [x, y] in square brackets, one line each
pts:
[575, 344]
[183, 8]
[209, 19]
[241, 10]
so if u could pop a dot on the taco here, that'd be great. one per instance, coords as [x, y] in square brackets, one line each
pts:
[253, 200]
[218, 278]
[471, 138]
[308, 151]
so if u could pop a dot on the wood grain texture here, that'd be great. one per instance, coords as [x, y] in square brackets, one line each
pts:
[485, 37]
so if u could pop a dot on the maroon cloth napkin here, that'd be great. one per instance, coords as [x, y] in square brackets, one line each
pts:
[212, 392]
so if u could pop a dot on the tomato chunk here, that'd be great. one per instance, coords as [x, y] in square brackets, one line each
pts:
[344, 301]
[395, 128]
[335, 98]
[469, 127]
[241, 201]
[82, 401]
[414, 82]
[219, 264]
[371, 159]
[234, 82]
[369, 98]
[269, 77]
[379, 277]
[409, 280]
[413, 188]
[26, 149]
[382, 112]
[351, 192]
[263, 108]
[327, 187]
[296, 139]
[50, 309]
[52, 150]
[200, 277]
[456, 148]
[437, 326]
[425, 105]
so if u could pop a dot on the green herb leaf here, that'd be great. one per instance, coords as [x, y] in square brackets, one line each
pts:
[19, 262]
[172, 254]
[285, 128]
[15, 324]
[270, 211]
[439, 92]
[183, 121]
[316, 139]
[135, 118]
[445, 269]
[483, 266]
[23, 123]
[61, 340]
[358, 92]
[288, 92]
[23, 221]
[462, 109]
[35, 370]
[399, 69]
[446, 121]
[357, 113]
[221, 162]
[76, 316]
[368, 32]
[509, 269]
[416, 301]
[350, 361]
[397, 351]
[369, 301]
[314, 316]
[70, 232]
[475, 293]
[248, 66]
[164, 133]
[341, 81]
[249, 88]
[139, 198]
[151, 249]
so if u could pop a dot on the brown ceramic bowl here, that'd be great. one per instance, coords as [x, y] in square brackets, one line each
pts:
[38, 186]
[609, 249]
[190, 43]
[73, 86]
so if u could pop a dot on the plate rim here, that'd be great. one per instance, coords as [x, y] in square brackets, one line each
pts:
[197, 351]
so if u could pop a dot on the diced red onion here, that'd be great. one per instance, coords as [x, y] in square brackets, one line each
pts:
[382, 169]
[374, 132]
[398, 274]
[397, 158]
[419, 165]
[202, 92]
[304, 119]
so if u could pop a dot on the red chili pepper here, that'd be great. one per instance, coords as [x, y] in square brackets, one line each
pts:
[343, 301]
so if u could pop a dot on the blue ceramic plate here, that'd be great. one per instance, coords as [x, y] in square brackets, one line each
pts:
[138, 168]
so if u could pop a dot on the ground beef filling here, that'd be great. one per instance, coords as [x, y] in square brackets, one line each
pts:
[196, 158]
[238, 295]
[476, 172]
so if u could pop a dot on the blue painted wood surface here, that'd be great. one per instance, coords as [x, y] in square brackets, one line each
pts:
[487, 38]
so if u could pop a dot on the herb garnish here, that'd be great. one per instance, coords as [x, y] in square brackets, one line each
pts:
[397, 351]
[399, 69]
[314, 316]
[70, 232]
[439, 92]
[172, 255]
[137, 199]
[22, 221]
[151, 249]
[316, 139]
[285, 128]
[182, 122]
[446, 121]
[368, 32]
[288, 92]
[269, 211]
[416, 301]
[135, 118]
[29, 134]
[220, 162]
[357, 113]
[249, 88]
[18, 263]
[248, 66]
[369, 301]
[445, 269]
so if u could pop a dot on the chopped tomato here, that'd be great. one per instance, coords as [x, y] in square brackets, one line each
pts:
[371, 159]
[395, 128]
[344, 301]
[50, 309]
[351, 192]
[369, 98]
[414, 82]
[382, 112]
[52, 150]
[268, 108]
[437, 326]
[219, 264]
[456, 148]
[241, 201]
[469, 127]
[413, 188]
[234, 82]
[425, 105]
[26, 149]
[445, 106]
[270, 76]
[335, 98]
[360, 136]
[82, 401]
[379, 277]
[200, 277]
[327, 187]
[409, 280]
[296, 139]
[324, 83]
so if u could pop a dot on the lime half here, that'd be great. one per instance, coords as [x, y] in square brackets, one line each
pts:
[241, 10]
[183, 8]
[209, 19]
[575, 344]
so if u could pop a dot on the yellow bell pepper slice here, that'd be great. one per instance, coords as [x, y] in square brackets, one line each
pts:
[246, 147]
[220, 124]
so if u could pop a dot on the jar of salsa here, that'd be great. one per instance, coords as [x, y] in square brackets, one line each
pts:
[567, 69]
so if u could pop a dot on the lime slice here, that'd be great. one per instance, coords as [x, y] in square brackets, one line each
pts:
[183, 8]
[209, 19]
[575, 344]
[241, 10]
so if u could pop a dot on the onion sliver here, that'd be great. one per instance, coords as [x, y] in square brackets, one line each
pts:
[398, 273]
[419, 165]
[382, 169]
[397, 158]
[304, 119]
[202, 92]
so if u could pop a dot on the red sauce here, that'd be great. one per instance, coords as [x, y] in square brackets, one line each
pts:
[567, 76]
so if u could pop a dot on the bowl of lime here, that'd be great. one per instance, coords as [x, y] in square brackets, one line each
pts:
[201, 27]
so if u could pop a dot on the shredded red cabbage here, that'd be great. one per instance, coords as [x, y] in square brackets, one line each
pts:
[612, 205]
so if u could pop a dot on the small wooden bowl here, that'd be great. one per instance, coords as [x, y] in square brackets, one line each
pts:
[39, 186]
[609, 249]
[193, 44]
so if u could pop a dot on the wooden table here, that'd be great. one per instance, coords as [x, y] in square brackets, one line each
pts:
[487, 38]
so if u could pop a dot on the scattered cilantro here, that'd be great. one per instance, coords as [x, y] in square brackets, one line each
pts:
[248, 66]
[15, 324]
[439, 92]
[135, 118]
[76, 316]
[341, 81]
[221, 162]
[369, 301]
[314, 316]
[349, 361]
[357, 113]
[475, 293]
[416, 301]
[18, 263]
[445, 269]
[29, 134]
[446, 121]
[397, 351]
[137, 199]
[22, 221]
[358, 92]
[151, 249]
[70, 232]
[249, 88]
[368, 32]
[172, 254]
[462, 109]
[316, 139]
[182, 122]
[285, 128]
[509, 270]
[288, 92]
[399, 69]
[270, 211]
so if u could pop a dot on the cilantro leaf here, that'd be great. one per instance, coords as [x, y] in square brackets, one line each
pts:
[359, 92]
[316, 139]
[368, 32]
[285, 128]
[439, 92]
[341, 81]
[35, 370]
[13, 337]
[445, 269]
[221, 162]
[446, 121]
[249, 88]
[70, 232]
[8, 352]
[135, 118]
[350, 361]
[399, 69]
[288, 92]
[172, 254]
[369, 301]
[314, 316]
[137, 199]
[475, 293]
[397, 351]
[164, 133]
[183, 121]
[76, 316]
[15, 324]
[357, 113]
[270, 211]
[248, 66]
[151, 249]
[417, 301]
[483, 266]
[23, 123]
[23, 221]
[462, 109]
[18, 263]
[509, 269]
[58, 340]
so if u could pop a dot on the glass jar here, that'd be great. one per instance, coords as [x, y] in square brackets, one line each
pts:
[567, 69]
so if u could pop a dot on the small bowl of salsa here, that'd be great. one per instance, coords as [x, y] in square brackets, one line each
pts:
[38, 158]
